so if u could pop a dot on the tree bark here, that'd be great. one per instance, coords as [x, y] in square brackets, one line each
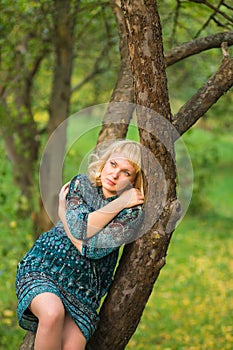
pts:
[142, 260]
[28, 342]
[118, 115]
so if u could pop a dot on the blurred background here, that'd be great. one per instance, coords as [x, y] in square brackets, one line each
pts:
[192, 302]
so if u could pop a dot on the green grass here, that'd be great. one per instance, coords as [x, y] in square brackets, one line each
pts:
[191, 305]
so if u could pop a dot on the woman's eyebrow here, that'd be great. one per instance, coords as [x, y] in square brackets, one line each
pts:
[124, 169]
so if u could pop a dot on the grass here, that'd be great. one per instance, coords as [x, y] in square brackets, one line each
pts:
[191, 305]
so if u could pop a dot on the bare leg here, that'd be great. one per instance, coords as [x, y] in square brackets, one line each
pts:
[51, 314]
[73, 338]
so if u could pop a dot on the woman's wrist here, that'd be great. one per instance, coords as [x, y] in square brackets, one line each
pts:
[120, 204]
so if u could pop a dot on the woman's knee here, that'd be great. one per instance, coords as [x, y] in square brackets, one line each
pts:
[49, 309]
[53, 315]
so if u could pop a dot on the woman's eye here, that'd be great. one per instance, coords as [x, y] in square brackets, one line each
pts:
[126, 173]
[113, 164]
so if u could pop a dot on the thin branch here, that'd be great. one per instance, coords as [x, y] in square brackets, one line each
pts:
[205, 97]
[96, 69]
[196, 46]
[211, 18]
[227, 6]
[88, 78]
[225, 51]
[93, 5]
[212, 7]
[36, 65]
[175, 23]
[85, 26]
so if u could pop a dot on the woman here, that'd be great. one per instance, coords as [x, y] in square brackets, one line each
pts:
[63, 277]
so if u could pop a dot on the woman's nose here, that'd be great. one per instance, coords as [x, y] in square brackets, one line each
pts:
[115, 173]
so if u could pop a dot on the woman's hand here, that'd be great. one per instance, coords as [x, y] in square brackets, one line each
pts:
[62, 215]
[62, 200]
[131, 198]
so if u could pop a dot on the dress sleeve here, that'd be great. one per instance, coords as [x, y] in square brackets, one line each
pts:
[124, 228]
[77, 210]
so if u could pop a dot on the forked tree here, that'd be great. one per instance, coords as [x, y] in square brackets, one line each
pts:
[142, 81]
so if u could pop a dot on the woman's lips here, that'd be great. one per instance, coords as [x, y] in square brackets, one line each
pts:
[110, 182]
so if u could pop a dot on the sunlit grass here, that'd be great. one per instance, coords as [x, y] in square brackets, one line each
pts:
[191, 304]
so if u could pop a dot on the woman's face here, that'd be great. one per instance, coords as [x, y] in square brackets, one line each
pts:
[116, 175]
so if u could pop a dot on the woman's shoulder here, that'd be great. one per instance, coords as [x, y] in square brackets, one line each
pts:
[80, 181]
[81, 185]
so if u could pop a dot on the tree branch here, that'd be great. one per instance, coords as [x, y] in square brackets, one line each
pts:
[205, 97]
[211, 18]
[175, 23]
[214, 8]
[97, 65]
[196, 46]
[89, 77]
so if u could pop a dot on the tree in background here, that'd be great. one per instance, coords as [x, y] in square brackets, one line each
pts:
[143, 76]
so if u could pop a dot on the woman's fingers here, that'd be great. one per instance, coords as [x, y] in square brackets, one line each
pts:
[132, 197]
[64, 190]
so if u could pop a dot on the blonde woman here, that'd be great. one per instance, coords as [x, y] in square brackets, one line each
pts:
[63, 277]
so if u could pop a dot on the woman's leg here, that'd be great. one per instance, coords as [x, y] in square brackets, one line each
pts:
[73, 338]
[49, 309]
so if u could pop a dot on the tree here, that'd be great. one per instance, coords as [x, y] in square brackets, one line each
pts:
[142, 260]
[147, 70]
[22, 139]
[40, 64]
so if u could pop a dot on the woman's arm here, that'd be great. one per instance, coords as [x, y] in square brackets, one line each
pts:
[94, 222]
[98, 219]
[62, 214]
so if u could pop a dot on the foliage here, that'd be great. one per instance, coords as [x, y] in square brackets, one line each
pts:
[203, 164]
[15, 238]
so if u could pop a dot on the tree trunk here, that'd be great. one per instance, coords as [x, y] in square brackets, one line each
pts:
[142, 260]
[118, 115]
[20, 137]
[53, 157]
[28, 342]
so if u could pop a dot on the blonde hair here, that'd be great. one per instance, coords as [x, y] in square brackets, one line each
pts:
[131, 150]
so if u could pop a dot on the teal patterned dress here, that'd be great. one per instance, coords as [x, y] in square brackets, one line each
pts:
[54, 264]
